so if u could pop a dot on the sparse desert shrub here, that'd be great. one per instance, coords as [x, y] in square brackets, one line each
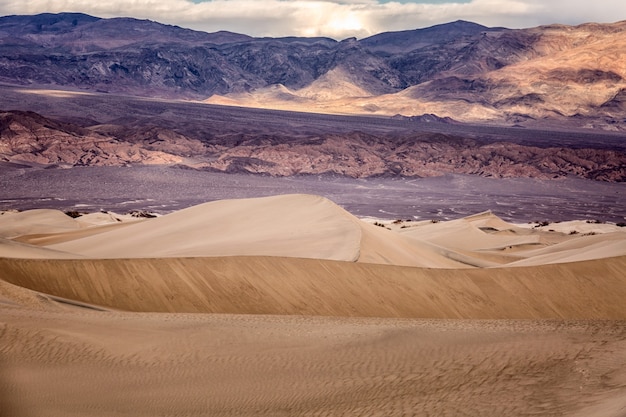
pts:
[621, 225]
[542, 223]
[381, 225]
[434, 221]
[142, 214]
[73, 214]
[573, 232]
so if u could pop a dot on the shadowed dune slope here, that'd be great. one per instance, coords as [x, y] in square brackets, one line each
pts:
[268, 285]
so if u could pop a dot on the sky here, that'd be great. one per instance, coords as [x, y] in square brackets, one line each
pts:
[338, 19]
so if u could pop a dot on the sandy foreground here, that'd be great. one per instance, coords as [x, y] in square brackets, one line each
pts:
[290, 305]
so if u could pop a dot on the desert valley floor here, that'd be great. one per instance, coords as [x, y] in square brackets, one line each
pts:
[165, 189]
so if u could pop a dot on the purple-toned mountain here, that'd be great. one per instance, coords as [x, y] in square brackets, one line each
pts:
[410, 40]
[460, 70]
[77, 32]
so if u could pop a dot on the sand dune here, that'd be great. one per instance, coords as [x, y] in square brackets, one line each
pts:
[318, 313]
[464, 234]
[292, 225]
[583, 248]
[305, 226]
[15, 249]
[302, 254]
[35, 221]
[70, 362]
[299, 226]
[268, 285]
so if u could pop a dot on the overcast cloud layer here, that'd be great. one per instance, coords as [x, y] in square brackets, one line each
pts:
[338, 19]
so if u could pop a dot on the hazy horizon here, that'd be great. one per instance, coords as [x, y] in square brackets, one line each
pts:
[338, 19]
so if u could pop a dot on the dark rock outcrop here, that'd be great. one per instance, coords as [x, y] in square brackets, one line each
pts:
[27, 137]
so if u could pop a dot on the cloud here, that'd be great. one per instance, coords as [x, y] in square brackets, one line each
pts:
[333, 18]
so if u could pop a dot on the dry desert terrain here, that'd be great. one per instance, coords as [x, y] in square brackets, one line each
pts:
[290, 305]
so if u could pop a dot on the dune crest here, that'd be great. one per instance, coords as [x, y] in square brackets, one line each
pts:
[289, 225]
[270, 285]
[306, 226]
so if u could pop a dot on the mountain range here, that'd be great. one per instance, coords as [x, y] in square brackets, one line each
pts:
[456, 98]
[462, 70]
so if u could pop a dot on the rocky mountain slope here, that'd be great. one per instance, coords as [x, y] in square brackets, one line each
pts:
[27, 137]
[460, 70]
[561, 74]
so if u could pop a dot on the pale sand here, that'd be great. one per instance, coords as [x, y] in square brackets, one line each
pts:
[298, 226]
[35, 221]
[307, 330]
[305, 226]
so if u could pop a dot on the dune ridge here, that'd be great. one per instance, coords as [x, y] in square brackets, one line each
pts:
[303, 254]
[269, 285]
[292, 225]
[306, 226]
